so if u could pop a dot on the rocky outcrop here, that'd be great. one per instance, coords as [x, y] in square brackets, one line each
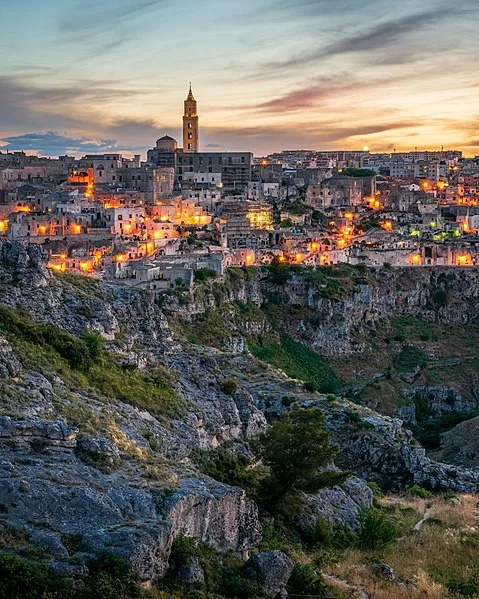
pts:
[437, 401]
[215, 514]
[98, 450]
[49, 493]
[339, 505]
[441, 295]
[272, 569]
[460, 445]
[191, 573]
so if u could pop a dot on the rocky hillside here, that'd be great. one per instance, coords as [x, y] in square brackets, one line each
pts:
[404, 342]
[107, 398]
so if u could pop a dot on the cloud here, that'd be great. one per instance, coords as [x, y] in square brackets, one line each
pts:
[376, 38]
[30, 105]
[56, 144]
[213, 146]
[309, 96]
[106, 24]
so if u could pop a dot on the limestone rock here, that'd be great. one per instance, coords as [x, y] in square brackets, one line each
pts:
[191, 573]
[384, 570]
[98, 450]
[215, 514]
[273, 570]
[339, 505]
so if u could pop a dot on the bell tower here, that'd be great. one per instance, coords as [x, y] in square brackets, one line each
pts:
[191, 129]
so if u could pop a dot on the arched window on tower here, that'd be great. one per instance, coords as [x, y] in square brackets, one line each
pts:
[190, 125]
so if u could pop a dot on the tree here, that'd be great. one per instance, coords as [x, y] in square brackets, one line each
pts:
[286, 223]
[359, 172]
[296, 449]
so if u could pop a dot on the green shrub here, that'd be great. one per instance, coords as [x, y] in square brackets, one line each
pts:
[375, 530]
[417, 491]
[295, 448]
[410, 358]
[376, 489]
[305, 579]
[228, 468]
[22, 579]
[229, 387]
[464, 588]
[204, 274]
[109, 578]
[325, 536]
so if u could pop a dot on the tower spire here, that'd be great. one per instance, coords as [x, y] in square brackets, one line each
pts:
[190, 124]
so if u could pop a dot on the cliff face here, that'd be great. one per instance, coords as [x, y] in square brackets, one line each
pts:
[100, 459]
[361, 304]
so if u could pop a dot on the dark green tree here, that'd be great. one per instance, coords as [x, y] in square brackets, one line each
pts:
[296, 449]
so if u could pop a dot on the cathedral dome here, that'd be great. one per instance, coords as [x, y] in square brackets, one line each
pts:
[167, 144]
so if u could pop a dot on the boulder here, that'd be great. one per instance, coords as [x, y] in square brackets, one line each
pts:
[384, 570]
[272, 569]
[191, 573]
[339, 505]
[216, 514]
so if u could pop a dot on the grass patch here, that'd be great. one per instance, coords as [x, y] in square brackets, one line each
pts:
[410, 328]
[298, 362]
[83, 363]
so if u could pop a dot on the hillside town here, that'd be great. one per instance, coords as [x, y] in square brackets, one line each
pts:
[154, 223]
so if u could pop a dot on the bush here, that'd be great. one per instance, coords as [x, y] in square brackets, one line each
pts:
[325, 536]
[376, 489]
[305, 580]
[229, 387]
[465, 588]
[204, 274]
[230, 469]
[375, 530]
[22, 579]
[410, 358]
[109, 578]
[417, 491]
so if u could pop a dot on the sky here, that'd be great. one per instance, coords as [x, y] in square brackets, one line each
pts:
[92, 76]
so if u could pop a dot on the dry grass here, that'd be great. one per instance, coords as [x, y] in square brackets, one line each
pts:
[446, 548]
[465, 514]
[125, 444]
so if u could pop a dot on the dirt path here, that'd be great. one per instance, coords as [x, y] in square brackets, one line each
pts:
[425, 518]
[346, 586]
[417, 527]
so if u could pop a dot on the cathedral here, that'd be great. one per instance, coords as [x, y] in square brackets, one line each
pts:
[232, 169]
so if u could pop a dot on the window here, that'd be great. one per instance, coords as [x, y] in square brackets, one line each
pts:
[190, 135]
[190, 126]
[120, 217]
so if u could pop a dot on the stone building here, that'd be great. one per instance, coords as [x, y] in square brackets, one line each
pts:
[232, 168]
[191, 127]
